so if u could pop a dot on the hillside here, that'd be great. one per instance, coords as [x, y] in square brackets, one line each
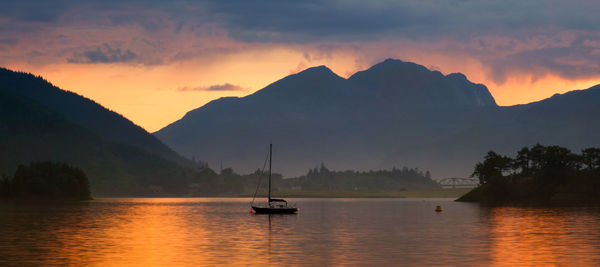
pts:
[82, 111]
[393, 114]
[31, 131]
[568, 120]
[386, 116]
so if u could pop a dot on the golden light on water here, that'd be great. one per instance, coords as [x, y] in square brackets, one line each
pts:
[212, 231]
[543, 237]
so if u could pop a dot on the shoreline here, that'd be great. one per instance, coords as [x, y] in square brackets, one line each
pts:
[425, 193]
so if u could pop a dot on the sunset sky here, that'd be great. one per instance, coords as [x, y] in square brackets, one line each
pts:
[153, 61]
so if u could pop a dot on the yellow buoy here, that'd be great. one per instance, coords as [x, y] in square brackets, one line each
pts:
[438, 209]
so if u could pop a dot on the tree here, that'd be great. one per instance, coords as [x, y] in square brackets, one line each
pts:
[227, 172]
[49, 179]
[557, 158]
[522, 161]
[551, 173]
[492, 168]
[323, 169]
[590, 157]
[536, 154]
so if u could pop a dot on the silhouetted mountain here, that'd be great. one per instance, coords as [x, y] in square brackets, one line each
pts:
[393, 114]
[87, 113]
[32, 131]
[411, 85]
[568, 120]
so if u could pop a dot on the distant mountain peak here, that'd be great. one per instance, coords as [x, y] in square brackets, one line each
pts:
[457, 76]
[313, 79]
[394, 61]
[397, 63]
[317, 68]
[393, 67]
[317, 71]
[415, 85]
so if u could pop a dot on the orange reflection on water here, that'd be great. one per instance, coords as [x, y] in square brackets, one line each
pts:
[357, 232]
[544, 236]
[156, 232]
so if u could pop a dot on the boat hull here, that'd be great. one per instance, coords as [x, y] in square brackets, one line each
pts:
[268, 210]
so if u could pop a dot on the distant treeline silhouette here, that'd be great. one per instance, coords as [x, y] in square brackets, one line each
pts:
[228, 182]
[46, 180]
[538, 174]
[323, 179]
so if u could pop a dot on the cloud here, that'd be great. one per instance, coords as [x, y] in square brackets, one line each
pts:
[103, 54]
[501, 35]
[301, 66]
[311, 20]
[216, 87]
[577, 60]
[9, 41]
[305, 21]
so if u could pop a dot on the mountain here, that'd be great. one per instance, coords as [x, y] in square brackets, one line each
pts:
[393, 114]
[87, 113]
[409, 84]
[568, 120]
[40, 122]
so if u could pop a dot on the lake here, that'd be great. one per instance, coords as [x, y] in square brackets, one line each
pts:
[221, 231]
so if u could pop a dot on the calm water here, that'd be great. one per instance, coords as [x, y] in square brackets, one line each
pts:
[407, 232]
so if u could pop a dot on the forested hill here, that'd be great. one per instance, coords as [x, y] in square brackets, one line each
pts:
[82, 111]
[31, 131]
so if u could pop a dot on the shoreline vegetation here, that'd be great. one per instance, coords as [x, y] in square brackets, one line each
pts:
[58, 181]
[540, 175]
[318, 182]
[46, 181]
[422, 193]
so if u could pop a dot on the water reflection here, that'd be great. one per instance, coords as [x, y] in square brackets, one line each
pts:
[183, 232]
[544, 236]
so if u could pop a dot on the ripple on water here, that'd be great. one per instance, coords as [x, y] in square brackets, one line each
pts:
[214, 231]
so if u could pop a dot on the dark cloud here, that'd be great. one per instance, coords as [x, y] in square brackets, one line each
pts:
[309, 20]
[321, 24]
[304, 21]
[34, 11]
[579, 59]
[103, 54]
[9, 41]
[217, 87]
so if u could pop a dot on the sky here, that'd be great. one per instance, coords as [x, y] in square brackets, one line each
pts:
[152, 61]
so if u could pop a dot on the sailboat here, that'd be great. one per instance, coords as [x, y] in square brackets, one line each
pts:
[274, 205]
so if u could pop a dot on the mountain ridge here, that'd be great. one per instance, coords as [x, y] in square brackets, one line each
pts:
[321, 111]
[32, 131]
[86, 112]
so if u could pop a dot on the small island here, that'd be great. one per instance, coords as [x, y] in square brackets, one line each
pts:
[46, 181]
[538, 175]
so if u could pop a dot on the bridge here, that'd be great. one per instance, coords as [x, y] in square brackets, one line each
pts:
[458, 182]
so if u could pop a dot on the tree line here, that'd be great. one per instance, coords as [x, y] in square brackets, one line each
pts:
[537, 161]
[322, 179]
[538, 173]
[46, 180]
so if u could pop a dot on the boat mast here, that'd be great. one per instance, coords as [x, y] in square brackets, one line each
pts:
[270, 162]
